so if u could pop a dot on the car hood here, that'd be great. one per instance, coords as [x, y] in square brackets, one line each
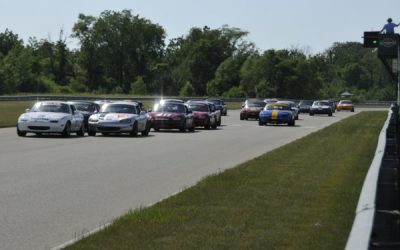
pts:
[44, 115]
[253, 109]
[113, 116]
[199, 113]
[165, 115]
[322, 106]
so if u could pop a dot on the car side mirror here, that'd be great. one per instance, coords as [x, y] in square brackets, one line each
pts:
[27, 110]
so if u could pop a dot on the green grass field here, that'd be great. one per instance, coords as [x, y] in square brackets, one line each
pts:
[10, 111]
[300, 196]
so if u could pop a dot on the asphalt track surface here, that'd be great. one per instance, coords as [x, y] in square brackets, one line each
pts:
[53, 189]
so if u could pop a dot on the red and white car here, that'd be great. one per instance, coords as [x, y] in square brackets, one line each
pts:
[172, 115]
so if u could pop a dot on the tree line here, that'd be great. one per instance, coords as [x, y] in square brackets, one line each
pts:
[124, 53]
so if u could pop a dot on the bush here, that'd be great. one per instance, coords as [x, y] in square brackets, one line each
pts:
[138, 87]
[187, 90]
[235, 92]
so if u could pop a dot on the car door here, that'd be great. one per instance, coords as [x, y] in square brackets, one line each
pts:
[189, 117]
[141, 119]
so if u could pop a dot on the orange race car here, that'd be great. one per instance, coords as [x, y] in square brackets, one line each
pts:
[345, 105]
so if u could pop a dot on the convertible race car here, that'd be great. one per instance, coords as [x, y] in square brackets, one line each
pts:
[51, 117]
[276, 113]
[119, 117]
[172, 115]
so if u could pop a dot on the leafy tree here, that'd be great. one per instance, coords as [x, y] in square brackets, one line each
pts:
[187, 90]
[138, 87]
[117, 47]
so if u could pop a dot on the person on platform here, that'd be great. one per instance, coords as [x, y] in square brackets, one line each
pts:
[389, 27]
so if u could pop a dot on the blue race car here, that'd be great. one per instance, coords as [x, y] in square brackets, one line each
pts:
[276, 113]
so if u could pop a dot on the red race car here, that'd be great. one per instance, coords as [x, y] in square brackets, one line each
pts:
[203, 115]
[172, 115]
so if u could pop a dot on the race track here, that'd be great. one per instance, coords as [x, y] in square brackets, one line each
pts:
[53, 189]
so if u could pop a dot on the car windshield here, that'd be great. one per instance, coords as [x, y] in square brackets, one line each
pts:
[51, 107]
[85, 107]
[118, 108]
[322, 104]
[170, 108]
[305, 102]
[199, 107]
[277, 107]
[256, 104]
[217, 102]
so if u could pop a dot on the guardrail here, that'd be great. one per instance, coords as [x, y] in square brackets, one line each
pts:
[63, 98]
[375, 225]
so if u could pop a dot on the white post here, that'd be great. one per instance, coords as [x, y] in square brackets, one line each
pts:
[398, 71]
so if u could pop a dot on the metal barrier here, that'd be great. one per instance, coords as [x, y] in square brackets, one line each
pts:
[70, 98]
[375, 225]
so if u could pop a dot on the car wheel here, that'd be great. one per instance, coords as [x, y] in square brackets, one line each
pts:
[291, 123]
[134, 131]
[183, 126]
[214, 126]
[81, 131]
[330, 114]
[67, 130]
[260, 123]
[105, 133]
[207, 126]
[241, 118]
[297, 117]
[311, 113]
[146, 131]
[21, 133]
[91, 133]
[352, 110]
[219, 122]
[156, 129]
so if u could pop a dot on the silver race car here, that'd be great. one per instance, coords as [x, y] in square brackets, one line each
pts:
[51, 117]
[120, 117]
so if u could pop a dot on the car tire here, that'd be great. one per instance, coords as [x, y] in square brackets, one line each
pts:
[81, 131]
[91, 133]
[219, 122]
[67, 130]
[21, 133]
[330, 114]
[134, 131]
[105, 133]
[260, 123]
[207, 126]
[183, 126]
[291, 123]
[146, 131]
[352, 110]
[241, 118]
[311, 113]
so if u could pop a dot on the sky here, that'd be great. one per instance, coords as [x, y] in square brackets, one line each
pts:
[310, 25]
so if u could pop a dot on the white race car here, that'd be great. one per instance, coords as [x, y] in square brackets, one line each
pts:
[51, 117]
[120, 117]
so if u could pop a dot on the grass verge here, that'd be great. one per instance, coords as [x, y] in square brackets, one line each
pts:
[300, 196]
[10, 112]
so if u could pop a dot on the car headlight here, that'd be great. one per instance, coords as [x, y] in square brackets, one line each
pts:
[125, 121]
[93, 120]
[23, 119]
